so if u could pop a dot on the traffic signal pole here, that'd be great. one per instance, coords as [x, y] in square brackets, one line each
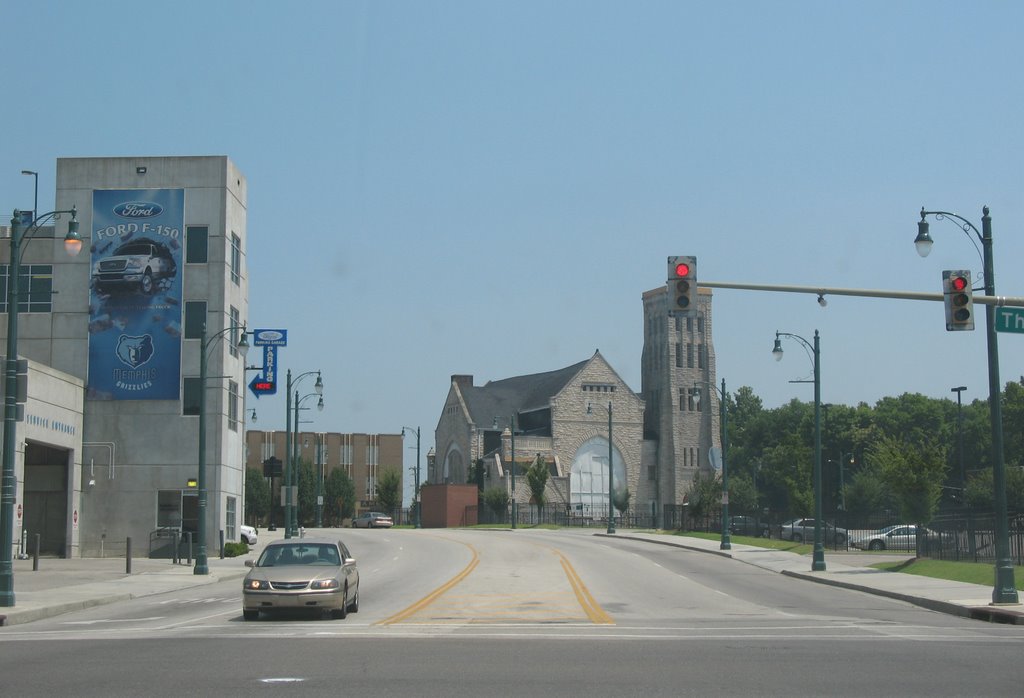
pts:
[1014, 301]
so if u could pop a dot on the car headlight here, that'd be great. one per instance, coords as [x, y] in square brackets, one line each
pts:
[325, 584]
[255, 585]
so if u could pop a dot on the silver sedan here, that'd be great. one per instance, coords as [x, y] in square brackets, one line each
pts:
[317, 574]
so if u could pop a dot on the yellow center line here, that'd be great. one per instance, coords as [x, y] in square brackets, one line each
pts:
[595, 613]
[431, 597]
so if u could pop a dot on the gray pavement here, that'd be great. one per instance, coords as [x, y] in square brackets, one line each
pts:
[64, 585]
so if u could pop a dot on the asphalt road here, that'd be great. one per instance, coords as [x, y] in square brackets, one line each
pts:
[471, 613]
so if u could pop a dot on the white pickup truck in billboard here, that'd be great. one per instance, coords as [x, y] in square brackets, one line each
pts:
[136, 265]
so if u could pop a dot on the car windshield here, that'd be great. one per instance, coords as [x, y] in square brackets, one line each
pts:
[299, 554]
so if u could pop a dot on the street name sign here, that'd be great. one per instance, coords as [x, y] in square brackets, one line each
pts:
[1010, 320]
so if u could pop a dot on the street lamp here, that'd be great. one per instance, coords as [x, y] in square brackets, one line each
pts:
[416, 492]
[960, 441]
[726, 542]
[35, 200]
[22, 229]
[289, 473]
[818, 559]
[295, 451]
[204, 345]
[1005, 590]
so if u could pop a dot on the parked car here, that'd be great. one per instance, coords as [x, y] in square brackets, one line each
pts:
[748, 526]
[309, 573]
[899, 537]
[372, 519]
[248, 534]
[801, 530]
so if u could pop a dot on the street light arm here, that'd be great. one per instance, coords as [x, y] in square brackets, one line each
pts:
[958, 220]
[72, 241]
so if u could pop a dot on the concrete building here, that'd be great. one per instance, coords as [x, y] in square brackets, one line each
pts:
[678, 362]
[113, 338]
[660, 440]
[363, 457]
[560, 415]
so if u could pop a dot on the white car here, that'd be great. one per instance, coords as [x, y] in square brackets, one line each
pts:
[900, 537]
[247, 534]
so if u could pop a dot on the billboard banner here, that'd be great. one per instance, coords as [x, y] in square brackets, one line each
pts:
[135, 294]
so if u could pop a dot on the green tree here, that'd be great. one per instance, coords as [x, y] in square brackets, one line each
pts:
[704, 496]
[339, 496]
[257, 496]
[742, 495]
[389, 494]
[865, 494]
[537, 478]
[307, 493]
[913, 472]
[496, 499]
[621, 499]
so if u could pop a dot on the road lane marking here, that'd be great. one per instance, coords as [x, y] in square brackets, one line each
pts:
[431, 597]
[593, 610]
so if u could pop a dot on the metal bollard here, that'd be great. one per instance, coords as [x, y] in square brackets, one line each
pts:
[189, 563]
[128, 556]
[35, 556]
[175, 554]
[222, 544]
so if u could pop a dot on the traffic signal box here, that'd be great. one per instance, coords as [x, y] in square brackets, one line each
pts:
[958, 297]
[682, 285]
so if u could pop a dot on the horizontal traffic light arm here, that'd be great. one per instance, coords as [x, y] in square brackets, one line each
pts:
[1015, 301]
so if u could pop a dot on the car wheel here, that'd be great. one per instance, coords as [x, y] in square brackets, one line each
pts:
[355, 601]
[146, 285]
[876, 545]
[249, 614]
[342, 613]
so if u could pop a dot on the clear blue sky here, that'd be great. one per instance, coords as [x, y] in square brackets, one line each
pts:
[489, 187]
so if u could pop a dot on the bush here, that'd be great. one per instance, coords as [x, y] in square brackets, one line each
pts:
[235, 549]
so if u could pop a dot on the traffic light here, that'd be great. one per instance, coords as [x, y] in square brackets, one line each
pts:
[682, 285]
[958, 297]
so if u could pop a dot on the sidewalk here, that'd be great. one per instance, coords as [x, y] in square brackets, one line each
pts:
[956, 598]
[61, 586]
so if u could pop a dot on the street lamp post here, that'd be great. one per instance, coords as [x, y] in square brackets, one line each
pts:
[512, 437]
[726, 543]
[35, 200]
[202, 566]
[611, 475]
[22, 230]
[960, 441]
[295, 451]
[416, 492]
[289, 468]
[818, 559]
[319, 480]
[1004, 591]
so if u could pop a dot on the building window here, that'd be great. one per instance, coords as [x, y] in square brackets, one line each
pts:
[196, 244]
[682, 399]
[689, 324]
[701, 354]
[700, 324]
[236, 322]
[598, 388]
[696, 404]
[232, 405]
[689, 355]
[35, 286]
[372, 454]
[168, 509]
[346, 454]
[236, 258]
[195, 319]
[230, 519]
[679, 356]
[190, 396]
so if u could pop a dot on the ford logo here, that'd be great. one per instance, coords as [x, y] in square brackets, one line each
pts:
[269, 335]
[138, 209]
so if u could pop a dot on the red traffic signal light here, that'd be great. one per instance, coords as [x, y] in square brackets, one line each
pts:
[682, 285]
[958, 298]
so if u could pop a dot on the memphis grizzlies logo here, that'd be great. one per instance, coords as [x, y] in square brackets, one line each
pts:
[134, 351]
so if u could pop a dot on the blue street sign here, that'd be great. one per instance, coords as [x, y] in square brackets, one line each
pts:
[270, 338]
[266, 382]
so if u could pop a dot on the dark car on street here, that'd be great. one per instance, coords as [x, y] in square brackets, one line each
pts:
[748, 526]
